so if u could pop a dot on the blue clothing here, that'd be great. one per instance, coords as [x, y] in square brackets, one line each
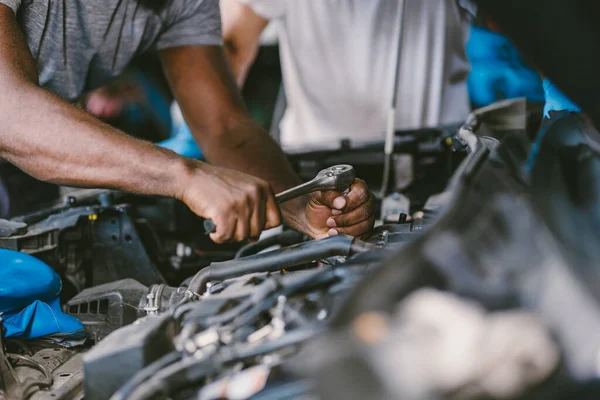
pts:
[182, 142]
[29, 300]
[555, 101]
[498, 71]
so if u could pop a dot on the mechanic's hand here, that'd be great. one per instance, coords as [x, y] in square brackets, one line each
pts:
[240, 205]
[331, 213]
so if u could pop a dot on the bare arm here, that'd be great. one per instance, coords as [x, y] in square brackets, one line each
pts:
[57, 142]
[241, 32]
[213, 109]
[54, 141]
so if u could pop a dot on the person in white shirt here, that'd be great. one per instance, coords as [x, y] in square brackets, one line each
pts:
[339, 59]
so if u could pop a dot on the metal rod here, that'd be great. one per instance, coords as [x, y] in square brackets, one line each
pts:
[391, 120]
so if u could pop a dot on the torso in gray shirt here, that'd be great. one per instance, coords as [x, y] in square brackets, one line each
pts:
[79, 45]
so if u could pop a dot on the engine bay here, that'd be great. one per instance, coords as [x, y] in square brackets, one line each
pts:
[469, 287]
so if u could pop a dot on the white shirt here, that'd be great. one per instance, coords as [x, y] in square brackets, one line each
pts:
[338, 59]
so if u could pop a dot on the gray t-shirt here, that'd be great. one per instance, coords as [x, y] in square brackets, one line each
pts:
[79, 45]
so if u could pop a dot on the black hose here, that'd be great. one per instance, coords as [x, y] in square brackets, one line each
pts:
[258, 296]
[247, 350]
[272, 261]
[47, 382]
[283, 239]
[174, 377]
[190, 371]
[144, 374]
[266, 293]
[326, 275]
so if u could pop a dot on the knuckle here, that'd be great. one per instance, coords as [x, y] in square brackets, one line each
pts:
[254, 190]
[257, 192]
[248, 188]
[227, 205]
[262, 185]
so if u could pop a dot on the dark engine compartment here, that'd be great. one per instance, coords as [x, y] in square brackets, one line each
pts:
[168, 314]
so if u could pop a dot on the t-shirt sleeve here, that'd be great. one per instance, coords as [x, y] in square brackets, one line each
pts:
[192, 23]
[468, 8]
[268, 9]
[14, 4]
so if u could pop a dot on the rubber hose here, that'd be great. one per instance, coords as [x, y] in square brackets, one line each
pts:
[189, 371]
[340, 245]
[283, 239]
[146, 373]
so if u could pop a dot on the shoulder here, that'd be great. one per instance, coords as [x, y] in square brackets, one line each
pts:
[12, 4]
[190, 23]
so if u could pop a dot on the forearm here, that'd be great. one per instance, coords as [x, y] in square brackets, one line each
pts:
[56, 142]
[247, 147]
[213, 108]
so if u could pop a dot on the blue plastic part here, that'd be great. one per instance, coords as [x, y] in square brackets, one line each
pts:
[555, 101]
[498, 70]
[182, 142]
[29, 299]
[24, 279]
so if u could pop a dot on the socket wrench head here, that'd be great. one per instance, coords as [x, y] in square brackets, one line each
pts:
[338, 177]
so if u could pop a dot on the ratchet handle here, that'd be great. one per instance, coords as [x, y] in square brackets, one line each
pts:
[308, 187]
[210, 227]
[295, 192]
[334, 178]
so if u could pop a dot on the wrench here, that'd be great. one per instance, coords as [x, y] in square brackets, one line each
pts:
[338, 177]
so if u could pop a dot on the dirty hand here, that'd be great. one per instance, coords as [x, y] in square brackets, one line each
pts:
[240, 205]
[330, 213]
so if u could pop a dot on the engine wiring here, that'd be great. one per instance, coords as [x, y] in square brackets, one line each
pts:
[45, 383]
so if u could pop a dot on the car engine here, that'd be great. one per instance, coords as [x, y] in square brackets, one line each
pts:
[470, 286]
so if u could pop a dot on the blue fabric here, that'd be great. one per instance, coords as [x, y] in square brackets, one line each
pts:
[29, 299]
[498, 71]
[555, 101]
[182, 142]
